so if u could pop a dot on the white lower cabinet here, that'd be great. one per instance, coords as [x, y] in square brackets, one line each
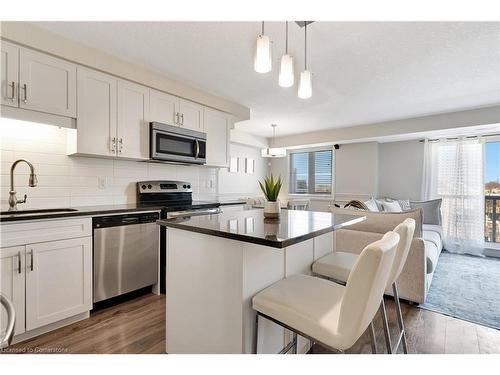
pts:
[12, 285]
[46, 271]
[58, 280]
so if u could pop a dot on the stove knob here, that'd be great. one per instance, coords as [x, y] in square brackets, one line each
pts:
[150, 187]
[189, 186]
[143, 187]
[184, 186]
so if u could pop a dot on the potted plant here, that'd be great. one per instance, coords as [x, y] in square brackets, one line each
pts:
[271, 189]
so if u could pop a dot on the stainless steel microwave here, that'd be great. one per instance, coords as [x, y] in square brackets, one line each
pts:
[171, 143]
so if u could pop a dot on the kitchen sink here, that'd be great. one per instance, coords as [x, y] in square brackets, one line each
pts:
[35, 212]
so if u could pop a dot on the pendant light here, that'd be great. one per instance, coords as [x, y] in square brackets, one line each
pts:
[263, 61]
[286, 77]
[275, 152]
[305, 84]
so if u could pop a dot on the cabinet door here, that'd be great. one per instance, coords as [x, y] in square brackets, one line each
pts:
[96, 118]
[12, 278]
[163, 107]
[217, 128]
[10, 74]
[191, 115]
[47, 84]
[58, 280]
[133, 116]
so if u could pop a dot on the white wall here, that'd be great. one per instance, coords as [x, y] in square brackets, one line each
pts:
[401, 169]
[241, 184]
[77, 181]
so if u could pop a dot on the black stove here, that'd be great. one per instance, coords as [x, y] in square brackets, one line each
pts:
[176, 200]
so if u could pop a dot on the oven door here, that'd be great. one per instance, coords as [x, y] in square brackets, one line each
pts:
[174, 147]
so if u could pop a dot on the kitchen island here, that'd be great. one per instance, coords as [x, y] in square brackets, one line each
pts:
[217, 263]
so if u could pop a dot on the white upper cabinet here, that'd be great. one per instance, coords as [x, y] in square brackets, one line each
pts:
[10, 74]
[217, 126]
[163, 108]
[46, 84]
[58, 280]
[96, 118]
[190, 115]
[133, 117]
[12, 278]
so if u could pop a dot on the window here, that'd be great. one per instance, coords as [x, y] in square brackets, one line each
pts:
[492, 192]
[311, 172]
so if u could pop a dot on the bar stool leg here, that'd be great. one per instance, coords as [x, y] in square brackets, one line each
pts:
[371, 329]
[295, 343]
[256, 334]
[387, 333]
[400, 318]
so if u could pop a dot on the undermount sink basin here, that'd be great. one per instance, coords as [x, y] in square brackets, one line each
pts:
[41, 211]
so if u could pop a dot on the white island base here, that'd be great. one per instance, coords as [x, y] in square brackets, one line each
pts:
[210, 284]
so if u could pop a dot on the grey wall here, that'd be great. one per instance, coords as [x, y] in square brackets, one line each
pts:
[356, 171]
[400, 169]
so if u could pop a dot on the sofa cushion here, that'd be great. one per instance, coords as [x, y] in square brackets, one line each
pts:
[433, 237]
[432, 210]
[431, 255]
[433, 228]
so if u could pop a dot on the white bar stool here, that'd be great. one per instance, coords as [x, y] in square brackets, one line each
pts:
[325, 312]
[338, 265]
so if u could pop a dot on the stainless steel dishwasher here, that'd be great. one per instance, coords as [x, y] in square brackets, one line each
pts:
[126, 251]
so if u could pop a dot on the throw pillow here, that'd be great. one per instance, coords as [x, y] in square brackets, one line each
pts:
[432, 210]
[405, 204]
[391, 206]
[372, 205]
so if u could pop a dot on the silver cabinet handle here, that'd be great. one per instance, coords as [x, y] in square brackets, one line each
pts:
[19, 262]
[182, 119]
[196, 148]
[112, 144]
[177, 118]
[25, 96]
[31, 261]
[120, 146]
[12, 86]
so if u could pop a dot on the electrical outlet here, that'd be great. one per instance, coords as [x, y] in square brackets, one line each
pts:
[101, 182]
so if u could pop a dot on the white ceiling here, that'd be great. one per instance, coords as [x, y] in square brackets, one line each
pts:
[363, 72]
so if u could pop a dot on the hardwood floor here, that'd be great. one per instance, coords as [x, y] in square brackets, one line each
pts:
[138, 326]
[135, 326]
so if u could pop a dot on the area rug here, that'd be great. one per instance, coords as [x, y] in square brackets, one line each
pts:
[466, 287]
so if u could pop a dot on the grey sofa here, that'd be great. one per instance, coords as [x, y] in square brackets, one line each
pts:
[424, 253]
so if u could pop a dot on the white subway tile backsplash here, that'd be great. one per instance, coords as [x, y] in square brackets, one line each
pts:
[82, 181]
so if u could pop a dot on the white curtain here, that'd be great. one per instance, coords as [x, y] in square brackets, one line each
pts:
[453, 171]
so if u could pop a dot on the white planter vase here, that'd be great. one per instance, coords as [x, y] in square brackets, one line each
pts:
[272, 209]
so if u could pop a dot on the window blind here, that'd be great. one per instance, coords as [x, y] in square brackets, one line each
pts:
[311, 172]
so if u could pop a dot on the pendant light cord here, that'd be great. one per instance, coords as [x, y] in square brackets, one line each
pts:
[305, 46]
[286, 39]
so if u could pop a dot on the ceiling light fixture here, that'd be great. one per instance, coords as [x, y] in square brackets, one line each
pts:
[263, 60]
[286, 77]
[305, 84]
[275, 152]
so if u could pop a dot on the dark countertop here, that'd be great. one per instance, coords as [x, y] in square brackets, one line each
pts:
[80, 211]
[248, 225]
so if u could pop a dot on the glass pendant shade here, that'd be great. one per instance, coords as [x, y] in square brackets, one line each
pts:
[286, 77]
[273, 152]
[305, 85]
[263, 59]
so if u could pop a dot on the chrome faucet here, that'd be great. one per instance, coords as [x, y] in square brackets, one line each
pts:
[13, 202]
